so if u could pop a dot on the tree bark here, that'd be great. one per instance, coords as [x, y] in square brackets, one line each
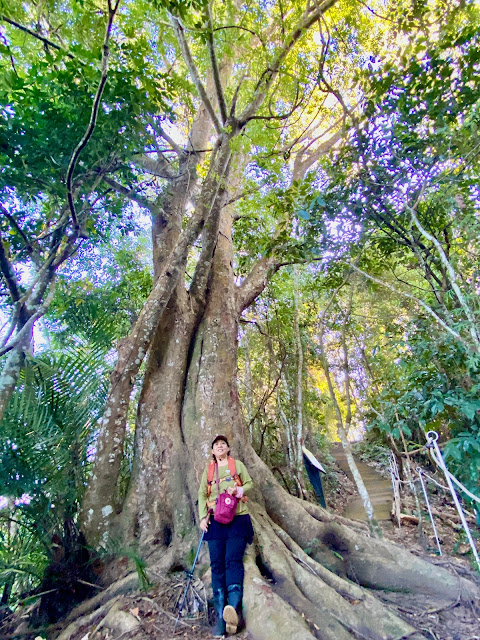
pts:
[97, 509]
[248, 384]
[11, 371]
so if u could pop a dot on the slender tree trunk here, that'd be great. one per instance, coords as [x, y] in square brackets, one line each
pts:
[298, 466]
[11, 371]
[342, 434]
[248, 384]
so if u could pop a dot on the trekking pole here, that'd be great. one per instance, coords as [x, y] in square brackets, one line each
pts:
[189, 580]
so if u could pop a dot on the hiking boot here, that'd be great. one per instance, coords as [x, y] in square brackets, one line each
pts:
[218, 630]
[232, 614]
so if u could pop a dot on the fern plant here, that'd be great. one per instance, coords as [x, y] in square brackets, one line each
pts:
[46, 441]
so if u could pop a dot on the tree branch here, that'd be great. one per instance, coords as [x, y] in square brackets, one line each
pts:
[130, 194]
[38, 36]
[163, 134]
[192, 69]
[8, 274]
[423, 304]
[256, 281]
[28, 325]
[155, 166]
[215, 72]
[283, 116]
[310, 16]
[301, 166]
[93, 116]
[451, 274]
[235, 26]
[28, 244]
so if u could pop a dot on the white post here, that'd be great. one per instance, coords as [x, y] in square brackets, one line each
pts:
[432, 443]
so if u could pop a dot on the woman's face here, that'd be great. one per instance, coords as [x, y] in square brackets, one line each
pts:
[220, 448]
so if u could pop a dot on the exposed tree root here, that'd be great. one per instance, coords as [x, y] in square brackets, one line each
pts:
[308, 576]
[288, 593]
[348, 552]
[333, 607]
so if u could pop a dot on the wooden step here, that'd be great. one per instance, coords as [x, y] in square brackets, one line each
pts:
[378, 487]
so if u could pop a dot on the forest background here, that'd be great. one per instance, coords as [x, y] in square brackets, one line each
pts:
[260, 219]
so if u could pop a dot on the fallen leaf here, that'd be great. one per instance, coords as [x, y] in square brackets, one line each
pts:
[134, 612]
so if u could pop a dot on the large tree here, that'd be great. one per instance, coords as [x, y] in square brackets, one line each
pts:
[262, 93]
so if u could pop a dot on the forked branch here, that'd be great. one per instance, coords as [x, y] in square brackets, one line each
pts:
[310, 16]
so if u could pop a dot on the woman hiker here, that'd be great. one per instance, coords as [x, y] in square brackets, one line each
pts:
[226, 542]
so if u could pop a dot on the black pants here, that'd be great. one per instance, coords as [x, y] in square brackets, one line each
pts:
[226, 560]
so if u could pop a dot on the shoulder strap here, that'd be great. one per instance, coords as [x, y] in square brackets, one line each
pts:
[210, 474]
[232, 467]
[233, 472]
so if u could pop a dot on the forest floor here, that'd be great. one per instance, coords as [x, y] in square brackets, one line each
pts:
[151, 615]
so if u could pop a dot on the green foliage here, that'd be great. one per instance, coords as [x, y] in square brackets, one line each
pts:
[46, 102]
[47, 434]
[418, 135]
[57, 406]
[22, 554]
[102, 307]
[417, 143]
[435, 387]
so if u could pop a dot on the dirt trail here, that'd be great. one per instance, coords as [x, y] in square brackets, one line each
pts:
[378, 487]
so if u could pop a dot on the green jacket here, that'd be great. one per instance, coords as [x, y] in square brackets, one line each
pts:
[225, 482]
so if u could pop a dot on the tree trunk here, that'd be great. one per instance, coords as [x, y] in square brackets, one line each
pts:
[98, 512]
[298, 466]
[11, 371]
[248, 384]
